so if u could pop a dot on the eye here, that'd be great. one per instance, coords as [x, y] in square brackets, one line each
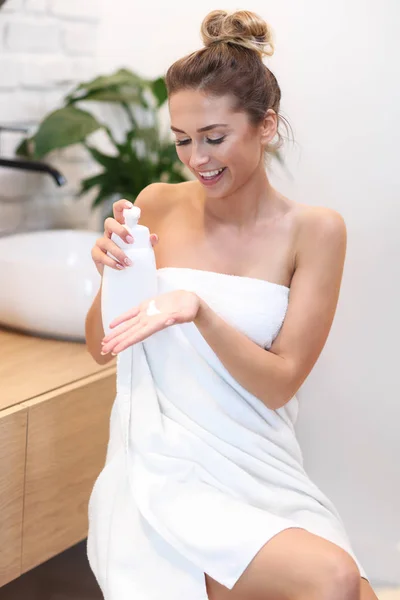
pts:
[217, 141]
[208, 140]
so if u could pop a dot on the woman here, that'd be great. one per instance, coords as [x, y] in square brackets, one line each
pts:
[252, 271]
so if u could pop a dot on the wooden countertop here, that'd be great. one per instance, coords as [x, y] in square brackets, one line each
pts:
[31, 366]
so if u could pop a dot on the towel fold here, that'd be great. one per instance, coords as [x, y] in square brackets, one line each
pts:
[199, 475]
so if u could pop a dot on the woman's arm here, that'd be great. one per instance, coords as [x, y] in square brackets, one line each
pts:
[94, 331]
[275, 376]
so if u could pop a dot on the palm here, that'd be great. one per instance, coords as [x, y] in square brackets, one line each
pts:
[178, 306]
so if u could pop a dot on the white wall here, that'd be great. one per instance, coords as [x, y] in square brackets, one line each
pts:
[337, 64]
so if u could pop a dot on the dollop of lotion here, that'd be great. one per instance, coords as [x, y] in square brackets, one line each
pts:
[152, 309]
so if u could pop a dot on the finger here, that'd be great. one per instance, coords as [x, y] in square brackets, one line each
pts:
[113, 226]
[120, 330]
[133, 337]
[100, 253]
[139, 333]
[121, 339]
[130, 314]
[154, 239]
[100, 257]
[118, 208]
[124, 339]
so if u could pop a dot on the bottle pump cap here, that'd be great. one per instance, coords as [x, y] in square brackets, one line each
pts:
[131, 216]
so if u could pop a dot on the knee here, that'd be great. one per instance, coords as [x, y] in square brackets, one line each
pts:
[341, 579]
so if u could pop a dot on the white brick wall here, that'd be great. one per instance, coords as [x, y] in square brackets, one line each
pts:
[46, 47]
[9, 72]
[79, 39]
[75, 9]
[13, 5]
[29, 36]
[36, 6]
[46, 73]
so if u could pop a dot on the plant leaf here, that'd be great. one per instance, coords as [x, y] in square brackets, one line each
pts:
[90, 182]
[62, 128]
[159, 90]
[111, 94]
[106, 160]
[24, 148]
[121, 86]
[122, 77]
[103, 194]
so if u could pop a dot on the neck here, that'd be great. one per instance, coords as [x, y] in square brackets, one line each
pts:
[246, 205]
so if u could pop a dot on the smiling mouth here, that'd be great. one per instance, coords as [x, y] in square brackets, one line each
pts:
[209, 175]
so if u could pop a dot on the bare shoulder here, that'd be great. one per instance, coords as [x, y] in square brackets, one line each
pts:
[157, 200]
[320, 249]
[156, 197]
[318, 225]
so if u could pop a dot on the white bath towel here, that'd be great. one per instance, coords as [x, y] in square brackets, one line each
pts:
[199, 474]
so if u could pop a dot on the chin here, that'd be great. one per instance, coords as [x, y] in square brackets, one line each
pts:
[219, 194]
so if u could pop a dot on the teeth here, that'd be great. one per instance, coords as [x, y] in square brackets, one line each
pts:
[210, 174]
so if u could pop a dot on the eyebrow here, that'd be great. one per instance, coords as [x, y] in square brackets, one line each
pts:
[207, 128]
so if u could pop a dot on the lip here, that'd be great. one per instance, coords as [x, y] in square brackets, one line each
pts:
[210, 182]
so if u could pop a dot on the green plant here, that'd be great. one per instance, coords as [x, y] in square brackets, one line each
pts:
[144, 155]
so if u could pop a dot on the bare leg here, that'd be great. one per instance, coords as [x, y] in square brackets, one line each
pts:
[296, 565]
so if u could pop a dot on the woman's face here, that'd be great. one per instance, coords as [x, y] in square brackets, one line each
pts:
[219, 146]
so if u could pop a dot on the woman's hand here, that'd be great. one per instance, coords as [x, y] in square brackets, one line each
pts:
[139, 323]
[105, 244]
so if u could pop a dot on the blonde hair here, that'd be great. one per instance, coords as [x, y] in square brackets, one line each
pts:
[241, 28]
[231, 62]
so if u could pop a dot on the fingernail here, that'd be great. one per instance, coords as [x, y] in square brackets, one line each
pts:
[119, 266]
[128, 262]
[129, 239]
[128, 204]
[103, 353]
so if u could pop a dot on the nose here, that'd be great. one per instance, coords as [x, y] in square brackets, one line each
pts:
[197, 158]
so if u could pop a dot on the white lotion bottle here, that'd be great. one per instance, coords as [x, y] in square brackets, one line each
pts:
[126, 288]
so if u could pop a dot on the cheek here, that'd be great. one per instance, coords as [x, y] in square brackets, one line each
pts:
[248, 156]
[228, 154]
[239, 152]
[183, 154]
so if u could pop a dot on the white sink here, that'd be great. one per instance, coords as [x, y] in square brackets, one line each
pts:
[48, 282]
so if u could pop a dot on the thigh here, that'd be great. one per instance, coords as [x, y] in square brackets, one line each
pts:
[293, 564]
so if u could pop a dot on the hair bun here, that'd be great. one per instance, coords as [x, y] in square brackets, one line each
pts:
[242, 27]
